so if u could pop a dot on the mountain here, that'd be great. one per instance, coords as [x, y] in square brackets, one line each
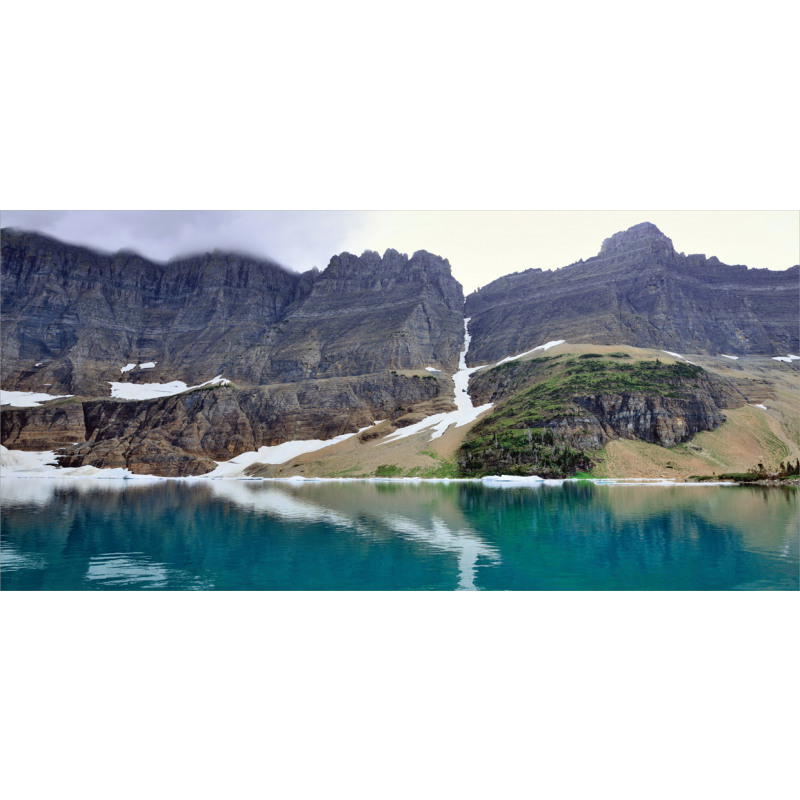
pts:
[323, 355]
[363, 315]
[639, 291]
[83, 315]
[73, 317]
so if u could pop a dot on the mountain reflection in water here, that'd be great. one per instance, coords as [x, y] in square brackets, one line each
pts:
[109, 534]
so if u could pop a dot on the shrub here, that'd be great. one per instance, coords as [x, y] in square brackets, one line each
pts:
[388, 471]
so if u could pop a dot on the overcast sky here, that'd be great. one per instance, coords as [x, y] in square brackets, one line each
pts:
[480, 245]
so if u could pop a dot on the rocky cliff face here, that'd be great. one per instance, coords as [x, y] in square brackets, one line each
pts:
[639, 291]
[666, 421]
[551, 412]
[312, 355]
[73, 317]
[83, 315]
[364, 314]
[185, 434]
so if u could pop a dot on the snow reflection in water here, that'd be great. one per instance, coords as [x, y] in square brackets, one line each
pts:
[124, 568]
[434, 532]
[183, 534]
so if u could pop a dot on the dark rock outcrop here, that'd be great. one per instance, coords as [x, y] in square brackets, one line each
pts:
[659, 420]
[185, 434]
[43, 428]
[639, 291]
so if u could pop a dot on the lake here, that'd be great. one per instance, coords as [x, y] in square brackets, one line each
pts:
[88, 534]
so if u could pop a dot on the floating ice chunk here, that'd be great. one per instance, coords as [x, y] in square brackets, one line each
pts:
[512, 480]
[148, 365]
[27, 399]
[118, 472]
[127, 368]
[733, 358]
[150, 391]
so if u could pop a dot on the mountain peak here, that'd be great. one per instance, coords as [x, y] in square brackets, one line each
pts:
[645, 234]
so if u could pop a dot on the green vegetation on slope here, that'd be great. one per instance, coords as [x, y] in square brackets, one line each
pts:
[517, 437]
[785, 472]
[441, 468]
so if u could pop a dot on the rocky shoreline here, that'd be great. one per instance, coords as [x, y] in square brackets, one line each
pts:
[771, 482]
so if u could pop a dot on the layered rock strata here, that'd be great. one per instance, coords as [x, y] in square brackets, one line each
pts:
[639, 291]
[185, 434]
[74, 317]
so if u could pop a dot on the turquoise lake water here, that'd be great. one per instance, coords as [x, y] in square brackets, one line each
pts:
[245, 535]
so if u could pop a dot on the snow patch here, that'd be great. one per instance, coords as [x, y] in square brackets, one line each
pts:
[127, 368]
[275, 454]
[786, 359]
[27, 399]
[733, 358]
[678, 355]
[465, 412]
[149, 391]
[148, 365]
[432, 369]
[759, 405]
[21, 463]
[541, 347]
[24, 461]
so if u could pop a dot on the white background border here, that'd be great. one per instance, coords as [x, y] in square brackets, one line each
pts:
[424, 105]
